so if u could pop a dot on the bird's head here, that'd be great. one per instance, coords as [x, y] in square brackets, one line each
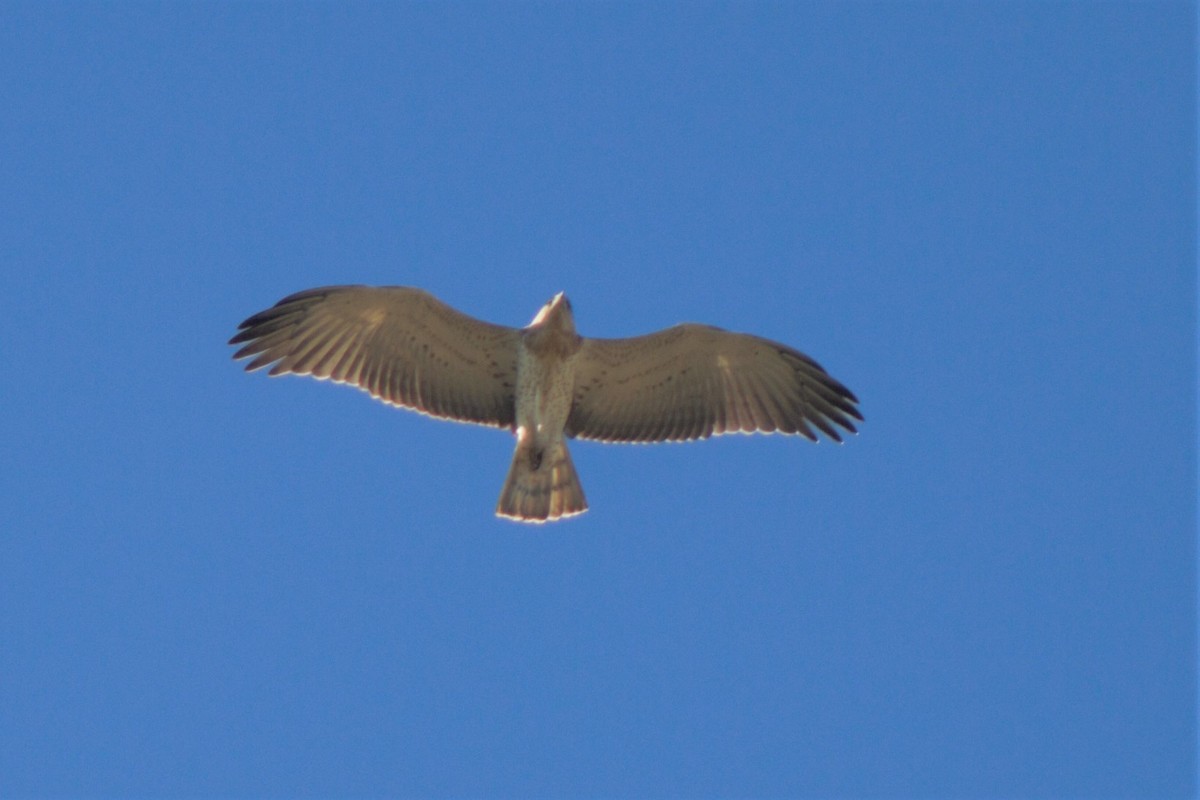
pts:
[556, 314]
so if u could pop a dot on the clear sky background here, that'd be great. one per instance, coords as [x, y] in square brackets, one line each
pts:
[979, 216]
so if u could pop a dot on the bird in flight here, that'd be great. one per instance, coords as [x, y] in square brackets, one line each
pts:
[545, 382]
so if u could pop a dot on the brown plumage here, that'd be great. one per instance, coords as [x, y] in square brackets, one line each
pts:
[545, 382]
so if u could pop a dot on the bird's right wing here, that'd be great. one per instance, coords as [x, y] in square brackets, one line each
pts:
[696, 381]
[402, 345]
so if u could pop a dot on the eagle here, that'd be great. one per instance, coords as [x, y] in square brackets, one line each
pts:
[545, 382]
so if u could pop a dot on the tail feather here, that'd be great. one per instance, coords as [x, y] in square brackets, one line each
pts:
[541, 485]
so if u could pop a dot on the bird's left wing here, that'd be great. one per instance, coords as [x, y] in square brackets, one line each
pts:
[696, 381]
[402, 345]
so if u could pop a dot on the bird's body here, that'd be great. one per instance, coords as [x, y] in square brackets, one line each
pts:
[541, 482]
[545, 382]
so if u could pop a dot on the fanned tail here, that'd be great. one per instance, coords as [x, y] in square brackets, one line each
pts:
[541, 485]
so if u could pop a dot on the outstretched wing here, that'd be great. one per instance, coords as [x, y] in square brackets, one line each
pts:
[402, 345]
[696, 381]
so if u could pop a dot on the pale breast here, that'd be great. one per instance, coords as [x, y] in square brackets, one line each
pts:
[545, 388]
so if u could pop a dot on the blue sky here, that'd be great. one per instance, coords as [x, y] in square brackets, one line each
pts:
[980, 217]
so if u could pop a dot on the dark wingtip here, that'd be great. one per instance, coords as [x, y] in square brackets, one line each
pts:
[243, 335]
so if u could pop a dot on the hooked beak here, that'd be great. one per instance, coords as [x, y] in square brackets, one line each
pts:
[559, 307]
